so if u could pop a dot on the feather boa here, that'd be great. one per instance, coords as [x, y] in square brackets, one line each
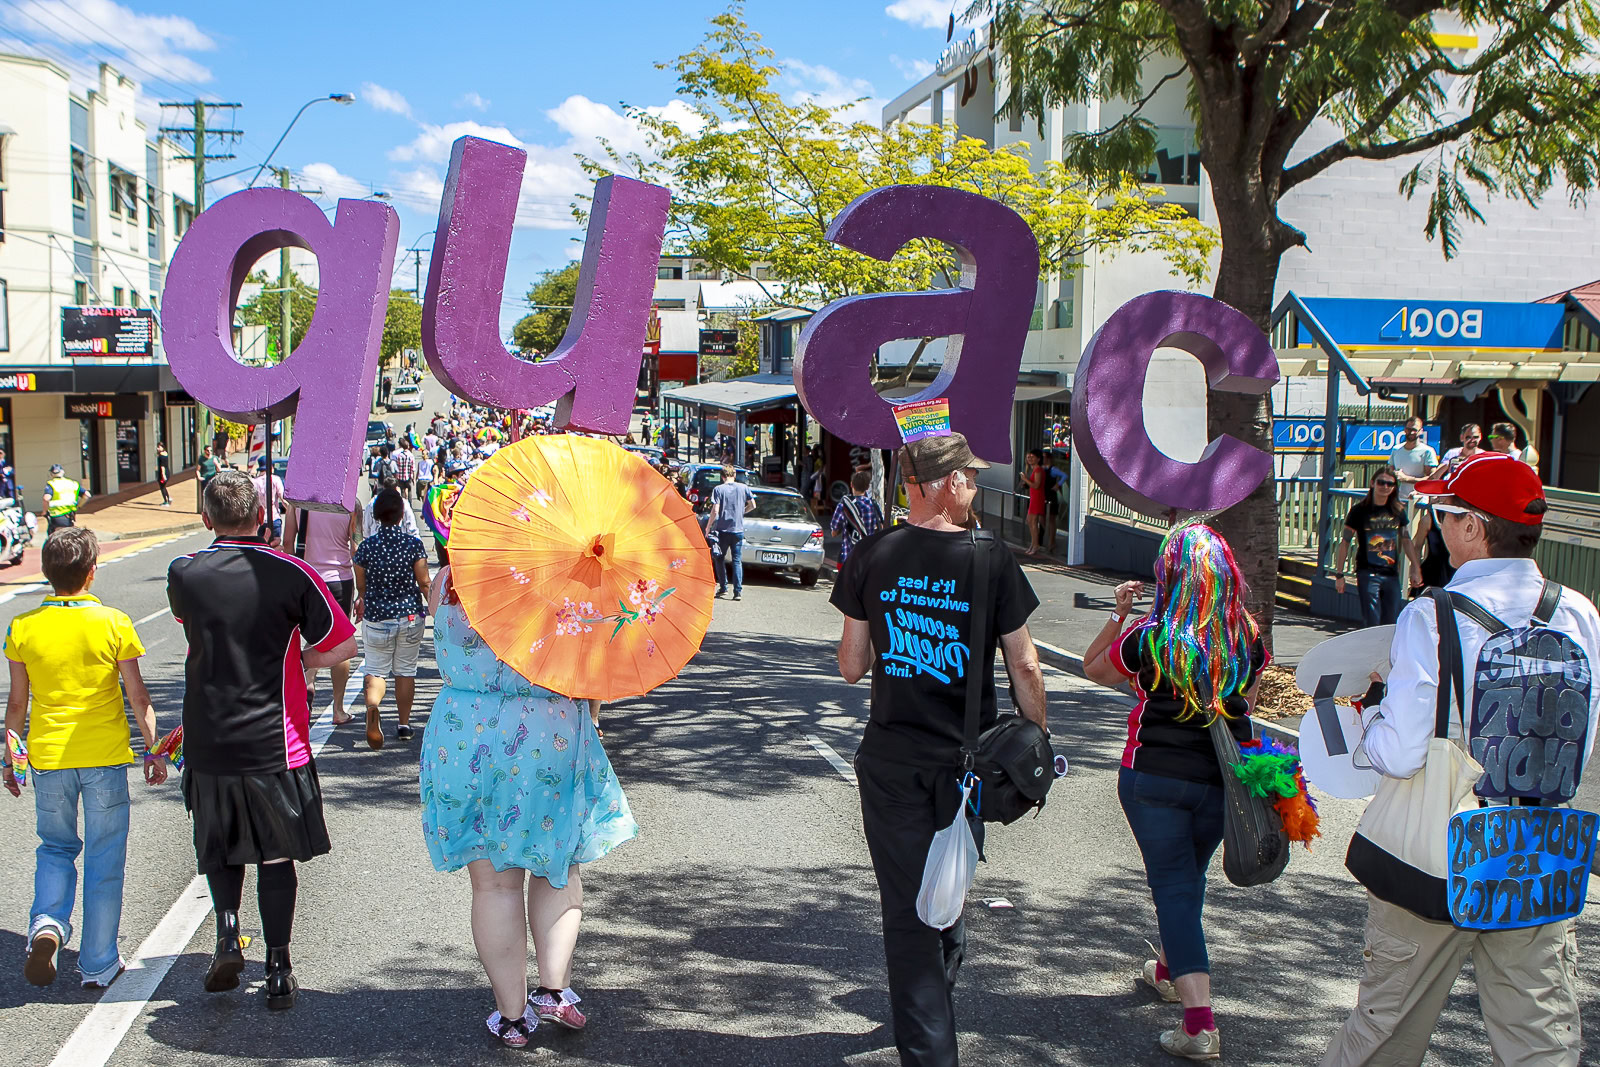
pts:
[1271, 769]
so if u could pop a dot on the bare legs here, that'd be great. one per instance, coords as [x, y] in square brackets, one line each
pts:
[339, 674]
[405, 691]
[502, 919]
[373, 692]
[1035, 522]
[1193, 989]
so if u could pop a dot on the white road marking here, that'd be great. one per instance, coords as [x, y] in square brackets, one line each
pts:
[826, 751]
[102, 1030]
[154, 615]
[20, 590]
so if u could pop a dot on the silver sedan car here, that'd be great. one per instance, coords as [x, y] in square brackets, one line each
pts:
[781, 535]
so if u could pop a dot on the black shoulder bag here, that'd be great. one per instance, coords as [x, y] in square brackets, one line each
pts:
[1255, 848]
[1012, 760]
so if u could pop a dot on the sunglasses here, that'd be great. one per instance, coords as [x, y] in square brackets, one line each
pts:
[1452, 509]
[1384, 485]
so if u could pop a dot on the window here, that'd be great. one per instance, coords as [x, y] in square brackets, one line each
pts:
[5, 318]
[124, 194]
[116, 296]
[80, 178]
[133, 298]
[2, 189]
[150, 201]
[80, 293]
[669, 274]
[182, 216]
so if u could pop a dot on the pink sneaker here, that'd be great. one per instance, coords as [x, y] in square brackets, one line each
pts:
[562, 1012]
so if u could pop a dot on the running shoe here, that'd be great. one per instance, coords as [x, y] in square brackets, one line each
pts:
[1206, 1045]
[561, 1011]
[402, 733]
[1163, 986]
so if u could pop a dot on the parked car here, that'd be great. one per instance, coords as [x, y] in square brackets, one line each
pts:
[782, 536]
[704, 477]
[405, 398]
[377, 432]
[650, 452]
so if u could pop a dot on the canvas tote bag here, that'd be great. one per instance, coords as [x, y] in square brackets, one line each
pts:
[1400, 848]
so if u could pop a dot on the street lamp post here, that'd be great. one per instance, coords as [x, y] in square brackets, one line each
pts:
[338, 98]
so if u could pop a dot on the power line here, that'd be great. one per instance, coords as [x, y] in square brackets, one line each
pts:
[198, 135]
[141, 64]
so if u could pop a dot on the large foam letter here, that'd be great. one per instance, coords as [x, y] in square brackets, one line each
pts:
[328, 377]
[593, 373]
[1108, 403]
[986, 318]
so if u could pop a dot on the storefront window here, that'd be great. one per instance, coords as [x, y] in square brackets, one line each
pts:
[130, 461]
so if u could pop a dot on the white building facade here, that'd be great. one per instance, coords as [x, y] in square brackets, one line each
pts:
[92, 205]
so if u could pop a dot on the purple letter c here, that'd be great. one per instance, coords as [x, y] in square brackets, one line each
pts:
[1108, 424]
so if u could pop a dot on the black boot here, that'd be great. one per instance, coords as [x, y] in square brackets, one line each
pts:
[281, 986]
[228, 960]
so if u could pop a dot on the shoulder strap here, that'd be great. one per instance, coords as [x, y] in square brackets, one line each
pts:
[1477, 613]
[1549, 597]
[1450, 672]
[302, 521]
[979, 600]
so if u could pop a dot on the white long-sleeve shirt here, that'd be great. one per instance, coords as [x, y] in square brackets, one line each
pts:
[1397, 734]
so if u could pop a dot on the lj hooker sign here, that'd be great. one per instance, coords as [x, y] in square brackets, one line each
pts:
[591, 375]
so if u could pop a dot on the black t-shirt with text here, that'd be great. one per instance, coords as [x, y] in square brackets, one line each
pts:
[1378, 532]
[913, 587]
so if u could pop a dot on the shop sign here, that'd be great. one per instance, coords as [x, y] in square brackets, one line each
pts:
[719, 342]
[1374, 441]
[1436, 323]
[20, 382]
[122, 406]
[727, 423]
[96, 331]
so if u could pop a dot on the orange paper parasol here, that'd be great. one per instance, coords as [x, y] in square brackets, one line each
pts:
[581, 567]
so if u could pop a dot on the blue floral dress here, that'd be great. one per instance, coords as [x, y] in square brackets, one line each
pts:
[512, 773]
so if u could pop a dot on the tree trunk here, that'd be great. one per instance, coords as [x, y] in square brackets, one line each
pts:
[1246, 277]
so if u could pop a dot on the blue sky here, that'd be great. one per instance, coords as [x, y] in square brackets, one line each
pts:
[549, 76]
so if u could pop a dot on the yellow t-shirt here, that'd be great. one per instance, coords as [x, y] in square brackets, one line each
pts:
[70, 646]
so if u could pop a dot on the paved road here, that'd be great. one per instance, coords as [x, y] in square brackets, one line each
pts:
[740, 928]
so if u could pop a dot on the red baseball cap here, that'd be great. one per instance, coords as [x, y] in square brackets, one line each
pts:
[1495, 484]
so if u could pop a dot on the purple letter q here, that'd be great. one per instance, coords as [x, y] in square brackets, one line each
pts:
[328, 377]
[986, 318]
[593, 373]
[1108, 403]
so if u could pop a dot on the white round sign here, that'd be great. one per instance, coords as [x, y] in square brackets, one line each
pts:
[1330, 733]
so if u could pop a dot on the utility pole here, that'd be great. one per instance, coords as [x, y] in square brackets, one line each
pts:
[198, 132]
[285, 336]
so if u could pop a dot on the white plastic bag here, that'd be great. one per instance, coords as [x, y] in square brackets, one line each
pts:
[946, 877]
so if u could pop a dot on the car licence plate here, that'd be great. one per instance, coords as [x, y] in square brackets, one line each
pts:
[774, 557]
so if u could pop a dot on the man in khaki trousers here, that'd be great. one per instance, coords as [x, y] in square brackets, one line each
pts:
[1490, 511]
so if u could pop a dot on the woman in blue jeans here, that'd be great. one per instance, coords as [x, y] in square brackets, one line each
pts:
[1377, 526]
[1196, 655]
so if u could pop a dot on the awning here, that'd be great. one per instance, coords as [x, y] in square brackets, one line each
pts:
[1026, 393]
[1449, 364]
[741, 394]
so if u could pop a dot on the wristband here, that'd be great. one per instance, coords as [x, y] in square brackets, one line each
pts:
[1117, 618]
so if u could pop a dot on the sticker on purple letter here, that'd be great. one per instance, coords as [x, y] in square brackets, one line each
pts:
[327, 379]
[985, 318]
[1108, 427]
[592, 376]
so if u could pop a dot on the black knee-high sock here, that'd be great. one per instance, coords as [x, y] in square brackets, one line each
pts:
[276, 884]
[227, 889]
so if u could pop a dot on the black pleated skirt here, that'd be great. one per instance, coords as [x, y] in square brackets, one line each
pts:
[254, 818]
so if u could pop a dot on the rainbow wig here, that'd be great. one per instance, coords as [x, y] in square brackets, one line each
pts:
[1198, 634]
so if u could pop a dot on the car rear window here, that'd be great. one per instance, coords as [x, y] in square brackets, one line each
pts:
[781, 507]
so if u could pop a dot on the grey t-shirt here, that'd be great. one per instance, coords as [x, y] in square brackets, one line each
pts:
[1414, 462]
[730, 500]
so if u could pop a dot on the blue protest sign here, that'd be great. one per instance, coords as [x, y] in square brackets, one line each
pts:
[1512, 868]
[1375, 440]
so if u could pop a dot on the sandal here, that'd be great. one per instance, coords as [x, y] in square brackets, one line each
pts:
[512, 1033]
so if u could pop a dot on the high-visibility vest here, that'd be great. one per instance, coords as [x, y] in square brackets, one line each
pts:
[64, 494]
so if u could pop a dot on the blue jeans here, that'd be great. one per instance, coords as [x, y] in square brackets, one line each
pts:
[1178, 826]
[105, 851]
[728, 539]
[1380, 597]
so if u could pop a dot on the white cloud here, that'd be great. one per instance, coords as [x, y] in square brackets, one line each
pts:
[828, 87]
[927, 14]
[913, 69]
[474, 101]
[334, 185]
[433, 143]
[158, 43]
[383, 99]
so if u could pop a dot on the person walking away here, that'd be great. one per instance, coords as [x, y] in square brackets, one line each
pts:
[391, 569]
[730, 503]
[405, 470]
[8, 478]
[1377, 525]
[1413, 459]
[857, 516]
[1055, 485]
[521, 848]
[162, 464]
[249, 779]
[68, 655]
[62, 498]
[1512, 623]
[272, 505]
[408, 518]
[425, 474]
[1198, 654]
[1033, 479]
[375, 466]
[909, 764]
[326, 541]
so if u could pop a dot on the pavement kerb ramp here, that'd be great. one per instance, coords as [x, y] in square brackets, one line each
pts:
[1071, 662]
[139, 535]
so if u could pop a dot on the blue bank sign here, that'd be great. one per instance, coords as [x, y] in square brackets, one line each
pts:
[1436, 323]
[1360, 440]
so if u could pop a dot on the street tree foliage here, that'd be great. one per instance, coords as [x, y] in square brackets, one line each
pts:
[402, 326]
[551, 298]
[756, 179]
[262, 309]
[1353, 79]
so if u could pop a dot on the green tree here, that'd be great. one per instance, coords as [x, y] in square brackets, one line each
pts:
[262, 309]
[1515, 117]
[551, 299]
[756, 179]
[402, 326]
